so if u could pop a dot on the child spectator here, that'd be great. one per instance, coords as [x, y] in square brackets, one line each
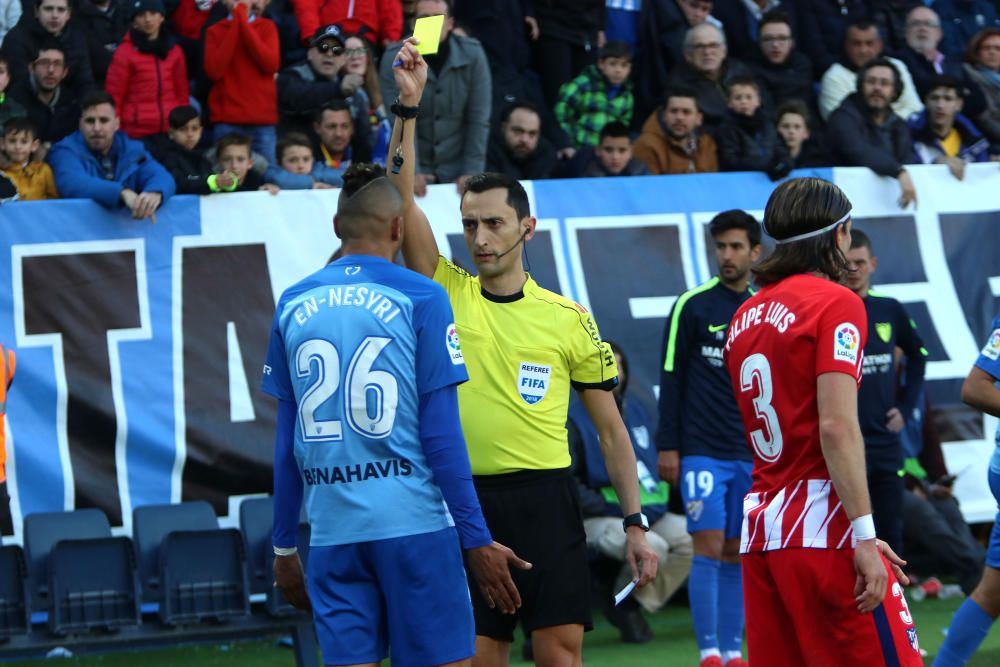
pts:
[613, 155]
[147, 77]
[297, 169]
[8, 107]
[236, 158]
[33, 178]
[747, 138]
[179, 154]
[242, 55]
[793, 123]
[601, 94]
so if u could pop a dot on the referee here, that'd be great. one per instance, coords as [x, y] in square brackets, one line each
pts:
[524, 348]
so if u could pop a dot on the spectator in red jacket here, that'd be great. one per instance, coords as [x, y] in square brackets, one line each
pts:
[380, 21]
[189, 17]
[147, 77]
[242, 56]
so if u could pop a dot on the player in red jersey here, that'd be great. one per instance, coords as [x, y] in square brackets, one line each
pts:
[817, 588]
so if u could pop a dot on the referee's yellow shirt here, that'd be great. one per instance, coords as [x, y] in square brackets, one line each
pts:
[523, 353]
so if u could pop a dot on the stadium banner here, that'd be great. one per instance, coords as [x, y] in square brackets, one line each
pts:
[140, 345]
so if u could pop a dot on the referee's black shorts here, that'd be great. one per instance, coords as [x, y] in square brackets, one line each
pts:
[537, 514]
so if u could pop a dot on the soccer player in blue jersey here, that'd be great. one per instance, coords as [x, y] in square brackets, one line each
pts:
[700, 438]
[973, 619]
[365, 362]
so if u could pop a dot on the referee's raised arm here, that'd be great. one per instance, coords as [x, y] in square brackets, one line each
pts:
[419, 247]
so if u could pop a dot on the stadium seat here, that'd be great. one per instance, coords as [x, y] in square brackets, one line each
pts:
[204, 576]
[14, 608]
[93, 586]
[256, 516]
[151, 524]
[41, 533]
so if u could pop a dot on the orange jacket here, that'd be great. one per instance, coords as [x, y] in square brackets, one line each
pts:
[7, 364]
[663, 156]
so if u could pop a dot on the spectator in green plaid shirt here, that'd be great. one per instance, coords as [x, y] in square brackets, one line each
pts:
[601, 94]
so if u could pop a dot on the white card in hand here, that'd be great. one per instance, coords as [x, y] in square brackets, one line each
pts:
[624, 593]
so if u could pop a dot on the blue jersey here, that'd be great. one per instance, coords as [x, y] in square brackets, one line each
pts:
[989, 362]
[355, 346]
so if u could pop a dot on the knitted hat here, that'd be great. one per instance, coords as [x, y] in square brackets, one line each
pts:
[136, 7]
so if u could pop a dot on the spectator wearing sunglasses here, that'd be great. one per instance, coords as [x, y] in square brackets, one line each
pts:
[306, 88]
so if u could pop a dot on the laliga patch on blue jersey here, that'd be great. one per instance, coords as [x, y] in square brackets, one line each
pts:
[453, 345]
[992, 348]
[533, 381]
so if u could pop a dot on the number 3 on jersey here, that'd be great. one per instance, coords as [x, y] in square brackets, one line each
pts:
[755, 376]
[370, 398]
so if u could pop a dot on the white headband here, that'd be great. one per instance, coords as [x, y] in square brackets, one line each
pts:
[815, 232]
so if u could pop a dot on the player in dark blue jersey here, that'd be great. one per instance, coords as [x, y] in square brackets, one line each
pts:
[701, 443]
[973, 619]
[365, 360]
[884, 408]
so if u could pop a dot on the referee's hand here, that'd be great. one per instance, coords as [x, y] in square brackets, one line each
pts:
[640, 557]
[491, 567]
[290, 580]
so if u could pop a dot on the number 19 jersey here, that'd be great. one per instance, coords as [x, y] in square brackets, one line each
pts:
[354, 346]
[779, 342]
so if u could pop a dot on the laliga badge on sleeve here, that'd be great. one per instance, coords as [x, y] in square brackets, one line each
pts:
[992, 349]
[454, 346]
[846, 342]
[428, 33]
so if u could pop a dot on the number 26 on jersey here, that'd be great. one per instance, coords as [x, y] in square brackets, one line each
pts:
[370, 396]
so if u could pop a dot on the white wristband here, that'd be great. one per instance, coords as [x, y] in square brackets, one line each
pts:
[285, 551]
[864, 528]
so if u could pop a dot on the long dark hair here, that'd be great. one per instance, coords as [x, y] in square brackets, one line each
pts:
[800, 206]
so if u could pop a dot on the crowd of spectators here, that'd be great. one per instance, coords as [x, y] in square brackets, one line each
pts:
[266, 94]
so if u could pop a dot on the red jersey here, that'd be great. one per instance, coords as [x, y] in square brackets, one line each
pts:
[779, 342]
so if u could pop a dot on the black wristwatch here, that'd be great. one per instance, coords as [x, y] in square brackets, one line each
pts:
[404, 112]
[638, 519]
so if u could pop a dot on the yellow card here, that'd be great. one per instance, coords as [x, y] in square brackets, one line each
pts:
[428, 33]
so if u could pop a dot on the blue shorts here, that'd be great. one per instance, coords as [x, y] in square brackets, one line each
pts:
[993, 551]
[406, 595]
[713, 492]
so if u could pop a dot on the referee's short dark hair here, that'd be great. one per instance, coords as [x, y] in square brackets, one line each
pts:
[517, 198]
[736, 219]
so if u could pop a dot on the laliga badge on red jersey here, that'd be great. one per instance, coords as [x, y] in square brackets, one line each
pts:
[533, 381]
[454, 346]
[992, 349]
[846, 343]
